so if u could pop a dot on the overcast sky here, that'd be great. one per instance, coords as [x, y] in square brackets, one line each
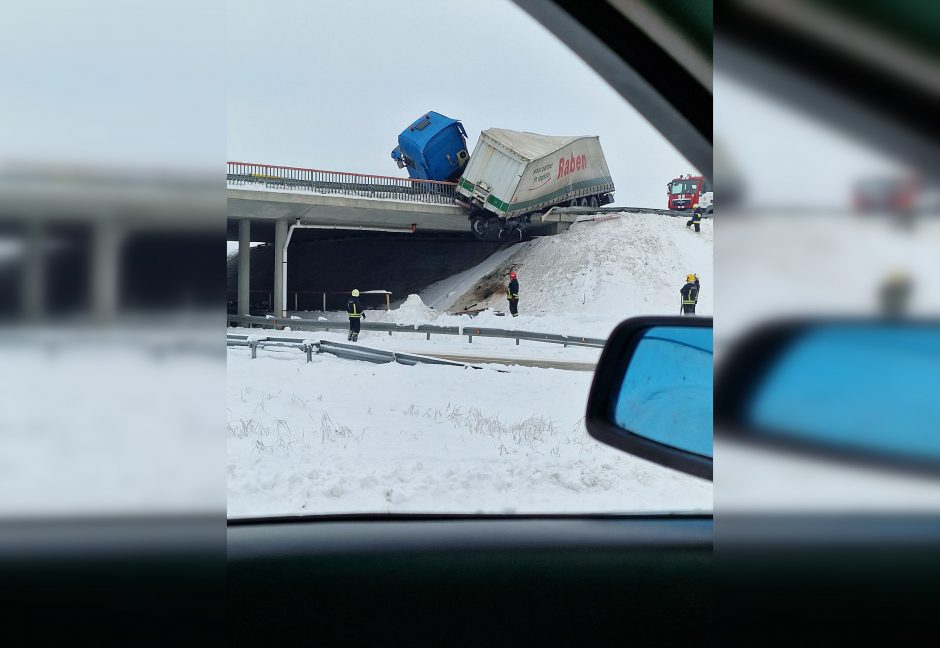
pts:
[786, 157]
[330, 85]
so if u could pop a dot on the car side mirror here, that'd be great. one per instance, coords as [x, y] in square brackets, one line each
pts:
[652, 392]
[857, 390]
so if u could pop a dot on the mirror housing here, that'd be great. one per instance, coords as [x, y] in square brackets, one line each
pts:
[857, 390]
[652, 392]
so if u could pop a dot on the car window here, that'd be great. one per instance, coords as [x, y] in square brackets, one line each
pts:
[481, 409]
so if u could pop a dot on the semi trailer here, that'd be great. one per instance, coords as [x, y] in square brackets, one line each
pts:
[513, 176]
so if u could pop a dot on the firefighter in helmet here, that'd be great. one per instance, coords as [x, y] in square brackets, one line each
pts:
[689, 293]
[512, 294]
[354, 311]
[696, 219]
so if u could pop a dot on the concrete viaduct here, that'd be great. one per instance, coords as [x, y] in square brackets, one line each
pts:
[269, 203]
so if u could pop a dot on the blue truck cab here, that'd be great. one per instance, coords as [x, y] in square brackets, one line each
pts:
[433, 148]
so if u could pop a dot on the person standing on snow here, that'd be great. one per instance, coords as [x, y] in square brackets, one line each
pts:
[512, 294]
[354, 311]
[696, 218]
[689, 293]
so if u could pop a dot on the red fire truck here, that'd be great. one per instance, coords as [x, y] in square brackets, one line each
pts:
[688, 190]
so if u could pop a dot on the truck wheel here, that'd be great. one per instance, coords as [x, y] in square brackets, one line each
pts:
[594, 202]
[478, 227]
[584, 202]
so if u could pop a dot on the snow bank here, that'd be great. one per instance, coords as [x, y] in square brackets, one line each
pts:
[599, 273]
[581, 282]
[342, 436]
[412, 311]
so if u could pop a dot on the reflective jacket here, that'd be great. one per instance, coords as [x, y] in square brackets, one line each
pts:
[513, 291]
[689, 293]
[353, 307]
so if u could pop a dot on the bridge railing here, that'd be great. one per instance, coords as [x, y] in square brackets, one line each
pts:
[341, 183]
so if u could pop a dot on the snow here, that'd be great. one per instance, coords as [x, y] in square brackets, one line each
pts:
[412, 311]
[341, 436]
[96, 423]
[587, 280]
[344, 436]
[820, 263]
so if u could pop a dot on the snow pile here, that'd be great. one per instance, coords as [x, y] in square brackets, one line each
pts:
[609, 270]
[342, 436]
[588, 279]
[411, 311]
[582, 282]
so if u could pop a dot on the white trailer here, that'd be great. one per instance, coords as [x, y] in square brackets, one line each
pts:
[513, 175]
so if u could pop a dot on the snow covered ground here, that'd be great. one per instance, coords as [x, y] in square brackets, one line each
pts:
[343, 436]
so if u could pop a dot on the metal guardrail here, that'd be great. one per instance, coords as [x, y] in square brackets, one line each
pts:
[341, 183]
[347, 351]
[427, 329]
[553, 214]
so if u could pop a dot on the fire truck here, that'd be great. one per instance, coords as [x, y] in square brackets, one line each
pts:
[688, 190]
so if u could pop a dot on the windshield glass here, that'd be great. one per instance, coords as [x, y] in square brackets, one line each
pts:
[444, 385]
[683, 186]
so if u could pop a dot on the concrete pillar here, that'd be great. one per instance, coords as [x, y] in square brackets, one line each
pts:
[280, 272]
[33, 287]
[105, 279]
[244, 265]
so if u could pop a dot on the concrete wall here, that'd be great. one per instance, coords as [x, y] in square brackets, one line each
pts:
[402, 263]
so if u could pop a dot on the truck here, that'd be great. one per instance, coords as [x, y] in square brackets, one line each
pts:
[511, 176]
[433, 147]
[684, 192]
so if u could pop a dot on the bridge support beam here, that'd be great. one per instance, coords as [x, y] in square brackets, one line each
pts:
[280, 267]
[106, 251]
[34, 272]
[244, 265]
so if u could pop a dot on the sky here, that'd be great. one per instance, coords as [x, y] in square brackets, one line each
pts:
[113, 83]
[784, 156]
[330, 85]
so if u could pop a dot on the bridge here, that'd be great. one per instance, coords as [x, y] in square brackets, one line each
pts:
[269, 203]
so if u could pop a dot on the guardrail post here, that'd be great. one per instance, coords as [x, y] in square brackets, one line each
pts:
[309, 350]
[470, 338]
[429, 335]
[517, 341]
[295, 300]
[324, 304]
[254, 349]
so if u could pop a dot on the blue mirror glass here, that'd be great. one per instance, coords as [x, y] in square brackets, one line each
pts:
[666, 394]
[872, 388]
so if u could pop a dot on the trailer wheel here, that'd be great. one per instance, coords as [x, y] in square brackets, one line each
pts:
[584, 202]
[478, 227]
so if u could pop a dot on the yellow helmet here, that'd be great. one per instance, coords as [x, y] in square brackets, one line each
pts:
[355, 293]
[690, 277]
[695, 206]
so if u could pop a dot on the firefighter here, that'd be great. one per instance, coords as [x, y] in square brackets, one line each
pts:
[354, 311]
[689, 293]
[512, 294]
[696, 218]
